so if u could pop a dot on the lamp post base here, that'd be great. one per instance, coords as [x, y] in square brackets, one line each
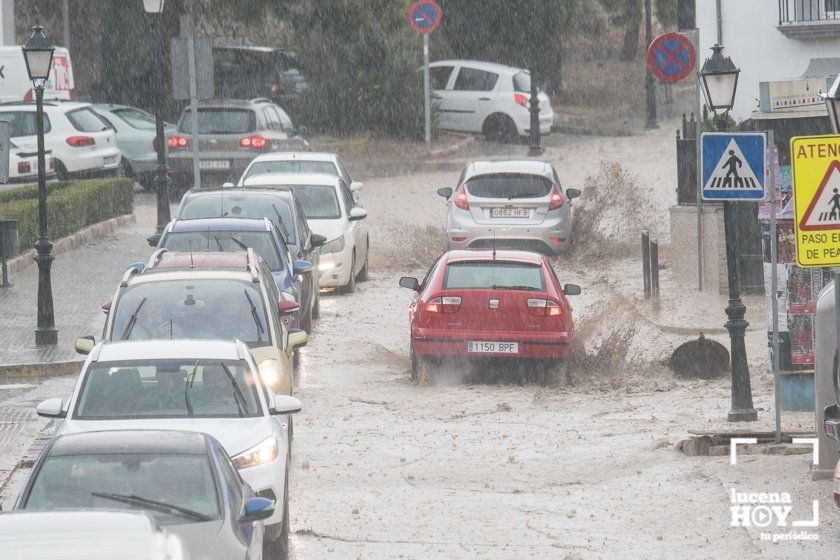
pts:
[47, 336]
[534, 151]
[45, 333]
[743, 415]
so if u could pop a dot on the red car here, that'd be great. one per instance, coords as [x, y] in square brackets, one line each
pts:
[490, 304]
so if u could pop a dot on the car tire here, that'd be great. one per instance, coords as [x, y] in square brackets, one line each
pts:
[351, 284]
[296, 359]
[421, 368]
[124, 170]
[276, 542]
[363, 274]
[61, 171]
[306, 321]
[316, 307]
[500, 128]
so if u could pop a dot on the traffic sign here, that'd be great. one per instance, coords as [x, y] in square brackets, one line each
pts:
[733, 166]
[815, 163]
[425, 15]
[670, 57]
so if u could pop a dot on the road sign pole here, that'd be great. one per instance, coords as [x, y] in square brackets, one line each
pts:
[774, 282]
[427, 101]
[836, 274]
[650, 92]
[194, 110]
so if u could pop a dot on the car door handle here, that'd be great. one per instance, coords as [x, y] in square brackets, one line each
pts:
[484, 99]
[436, 96]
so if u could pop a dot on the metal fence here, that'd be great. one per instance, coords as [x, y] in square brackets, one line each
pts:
[800, 11]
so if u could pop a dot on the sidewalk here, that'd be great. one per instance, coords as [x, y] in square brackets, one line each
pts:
[82, 280]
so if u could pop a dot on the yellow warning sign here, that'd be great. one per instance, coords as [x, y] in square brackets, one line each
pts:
[815, 170]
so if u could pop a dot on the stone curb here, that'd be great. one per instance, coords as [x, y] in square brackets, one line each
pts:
[466, 141]
[22, 372]
[73, 241]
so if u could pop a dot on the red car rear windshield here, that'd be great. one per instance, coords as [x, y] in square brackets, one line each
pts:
[493, 275]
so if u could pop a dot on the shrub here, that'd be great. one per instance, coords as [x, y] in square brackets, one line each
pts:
[71, 206]
[31, 191]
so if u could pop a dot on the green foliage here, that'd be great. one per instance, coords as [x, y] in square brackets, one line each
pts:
[666, 13]
[30, 191]
[721, 122]
[126, 44]
[72, 205]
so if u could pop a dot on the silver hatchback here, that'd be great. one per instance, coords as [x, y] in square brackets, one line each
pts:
[509, 205]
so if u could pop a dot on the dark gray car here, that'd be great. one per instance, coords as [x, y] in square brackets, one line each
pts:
[230, 134]
[185, 480]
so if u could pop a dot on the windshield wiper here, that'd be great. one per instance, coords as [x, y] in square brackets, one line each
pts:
[152, 504]
[218, 244]
[525, 288]
[132, 320]
[235, 240]
[241, 403]
[280, 222]
[188, 383]
[255, 314]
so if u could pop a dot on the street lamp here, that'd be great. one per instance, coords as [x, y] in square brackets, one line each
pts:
[534, 148]
[832, 103]
[719, 79]
[38, 54]
[155, 7]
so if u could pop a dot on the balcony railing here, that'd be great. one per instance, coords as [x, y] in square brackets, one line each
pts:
[809, 18]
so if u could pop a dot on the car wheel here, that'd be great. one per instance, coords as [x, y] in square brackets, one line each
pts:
[296, 359]
[351, 284]
[61, 172]
[316, 307]
[421, 367]
[306, 322]
[499, 128]
[363, 274]
[276, 543]
[124, 170]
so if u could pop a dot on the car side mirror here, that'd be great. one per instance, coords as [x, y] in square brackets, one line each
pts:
[106, 307]
[410, 282]
[257, 508]
[301, 267]
[298, 338]
[831, 422]
[572, 193]
[356, 186]
[358, 214]
[153, 239]
[84, 344]
[287, 307]
[571, 290]
[227, 185]
[138, 266]
[445, 192]
[51, 408]
[317, 240]
[285, 404]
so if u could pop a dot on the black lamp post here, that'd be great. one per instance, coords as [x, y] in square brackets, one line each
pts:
[38, 54]
[719, 80]
[155, 8]
[534, 148]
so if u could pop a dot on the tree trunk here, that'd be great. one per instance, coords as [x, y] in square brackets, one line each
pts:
[631, 42]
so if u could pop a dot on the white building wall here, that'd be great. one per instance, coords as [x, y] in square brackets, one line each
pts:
[757, 47]
[7, 22]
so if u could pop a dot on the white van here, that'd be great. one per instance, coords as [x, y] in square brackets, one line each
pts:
[14, 80]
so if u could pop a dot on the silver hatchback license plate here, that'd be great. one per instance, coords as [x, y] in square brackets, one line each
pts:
[109, 160]
[483, 347]
[214, 164]
[509, 213]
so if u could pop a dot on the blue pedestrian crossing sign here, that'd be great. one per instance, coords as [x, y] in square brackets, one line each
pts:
[733, 166]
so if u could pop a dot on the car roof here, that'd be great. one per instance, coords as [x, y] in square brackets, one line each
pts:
[256, 49]
[167, 350]
[239, 191]
[480, 65]
[111, 106]
[75, 523]
[167, 442]
[232, 103]
[280, 179]
[304, 156]
[509, 166]
[505, 255]
[68, 105]
[219, 224]
[168, 260]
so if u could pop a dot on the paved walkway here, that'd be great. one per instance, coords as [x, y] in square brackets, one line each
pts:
[82, 279]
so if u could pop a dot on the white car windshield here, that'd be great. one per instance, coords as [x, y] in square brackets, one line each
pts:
[318, 202]
[172, 488]
[168, 389]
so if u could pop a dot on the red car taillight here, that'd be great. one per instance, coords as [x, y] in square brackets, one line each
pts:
[24, 167]
[176, 141]
[81, 141]
[461, 198]
[521, 99]
[557, 199]
[276, 88]
[544, 308]
[254, 142]
[445, 304]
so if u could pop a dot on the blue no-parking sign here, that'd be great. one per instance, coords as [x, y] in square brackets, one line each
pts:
[734, 166]
[424, 15]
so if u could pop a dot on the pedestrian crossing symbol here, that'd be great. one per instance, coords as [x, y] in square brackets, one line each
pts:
[815, 170]
[733, 166]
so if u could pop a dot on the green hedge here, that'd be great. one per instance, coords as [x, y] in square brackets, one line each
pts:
[71, 206]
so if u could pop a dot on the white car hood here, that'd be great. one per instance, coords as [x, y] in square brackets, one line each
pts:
[330, 229]
[235, 434]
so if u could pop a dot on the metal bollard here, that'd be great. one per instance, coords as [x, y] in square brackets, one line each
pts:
[646, 262]
[9, 247]
[654, 269]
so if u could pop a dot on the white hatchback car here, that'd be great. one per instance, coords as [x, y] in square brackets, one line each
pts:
[485, 97]
[332, 211]
[82, 144]
[23, 165]
[208, 386]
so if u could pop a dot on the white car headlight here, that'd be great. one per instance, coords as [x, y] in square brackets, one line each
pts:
[334, 246]
[269, 372]
[264, 452]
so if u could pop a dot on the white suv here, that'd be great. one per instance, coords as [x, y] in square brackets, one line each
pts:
[493, 99]
[82, 144]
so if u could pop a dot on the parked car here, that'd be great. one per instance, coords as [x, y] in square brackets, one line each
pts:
[209, 386]
[242, 72]
[332, 212]
[23, 165]
[831, 426]
[15, 84]
[230, 134]
[301, 162]
[485, 97]
[283, 209]
[82, 144]
[86, 535]
[509, 204]
[239, 234]
[482, 304]
[136, 138]
[185, 480]
[207, 296]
